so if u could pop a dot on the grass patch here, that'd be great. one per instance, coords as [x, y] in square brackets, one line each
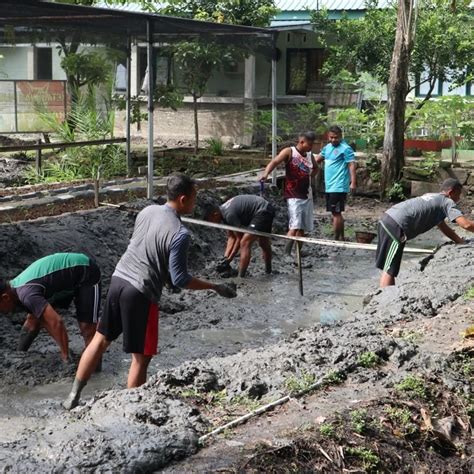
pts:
[359, 420]
[413, 387]
[327, 430]
[368, 359]
[334, 378]
[469, 295]
[401, 418]
[297, 384]
[368, 458]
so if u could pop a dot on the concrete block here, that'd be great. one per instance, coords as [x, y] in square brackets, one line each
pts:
[470, 180]
[59, 191]
[419, 188]
[460, 174]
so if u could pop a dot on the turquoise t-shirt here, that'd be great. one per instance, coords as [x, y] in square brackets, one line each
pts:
[336, 169]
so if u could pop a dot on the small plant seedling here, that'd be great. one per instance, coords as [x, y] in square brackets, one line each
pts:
[245, 402]
[368, 359]
[333, 378]
[413, 386]
[327, 430]
[469, 295]
[359, 420]
[369, 459]
[414, 337]
[298, 384]
[401, 418]
[191, 393]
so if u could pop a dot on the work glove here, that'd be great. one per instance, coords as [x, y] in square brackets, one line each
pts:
[223, 265]
[226, 290]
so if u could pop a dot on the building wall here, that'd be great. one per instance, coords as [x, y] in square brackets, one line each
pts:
[224, 121]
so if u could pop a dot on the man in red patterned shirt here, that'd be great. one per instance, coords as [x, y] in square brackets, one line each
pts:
[300, 167]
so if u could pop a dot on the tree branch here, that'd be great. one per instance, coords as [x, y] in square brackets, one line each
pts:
[421, 104]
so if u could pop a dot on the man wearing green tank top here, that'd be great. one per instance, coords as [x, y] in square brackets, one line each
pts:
[50, 283]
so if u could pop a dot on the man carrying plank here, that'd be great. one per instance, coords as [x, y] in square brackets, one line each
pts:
[413, 217]
[156, 256]
[250, 211]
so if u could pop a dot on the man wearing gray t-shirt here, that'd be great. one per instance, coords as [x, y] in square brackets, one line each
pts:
[157, 255]
[413, 217]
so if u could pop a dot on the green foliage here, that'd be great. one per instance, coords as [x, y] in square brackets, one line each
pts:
[215, 146]
[413, 387]
[359, 420]
[469, 295]
[362, 124]
[414, 337]
[87, 68]
[309, 116]
[245, 402]
[91, 118]
[396, 192]
[327, 430]
[369, 459]
[402, 420]
[248, 13]
[298, 384]
[368, 359]
[334, 378]
[440, 119]
[444, 41]
[430, 163]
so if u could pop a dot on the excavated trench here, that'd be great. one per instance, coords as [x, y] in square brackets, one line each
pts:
[248, 346]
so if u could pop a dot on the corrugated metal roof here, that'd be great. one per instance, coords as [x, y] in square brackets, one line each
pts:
[300, 5]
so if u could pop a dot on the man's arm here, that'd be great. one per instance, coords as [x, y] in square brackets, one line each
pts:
[448, 232]
[282, 157]
[236, 246]
[54, 324]
[352, 171]
[465, 223]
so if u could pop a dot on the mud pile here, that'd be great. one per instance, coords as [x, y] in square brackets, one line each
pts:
[143, 429]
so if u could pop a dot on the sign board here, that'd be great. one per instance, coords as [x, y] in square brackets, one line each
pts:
[23, 105]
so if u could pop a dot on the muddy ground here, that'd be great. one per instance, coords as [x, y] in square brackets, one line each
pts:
[221, 358]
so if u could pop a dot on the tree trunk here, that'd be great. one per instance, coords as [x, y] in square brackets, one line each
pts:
[196, 125]
[398, 87]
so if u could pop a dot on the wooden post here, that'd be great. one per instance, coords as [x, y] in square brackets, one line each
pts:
[38, 159]
[300, 270]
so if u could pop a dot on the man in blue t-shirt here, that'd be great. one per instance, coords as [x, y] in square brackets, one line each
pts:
[339, 176]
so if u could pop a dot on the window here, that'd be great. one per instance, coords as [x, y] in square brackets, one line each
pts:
[44, 63]
[303, 70]
[163, 67]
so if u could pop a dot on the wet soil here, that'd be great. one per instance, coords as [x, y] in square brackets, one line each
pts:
[220, 358]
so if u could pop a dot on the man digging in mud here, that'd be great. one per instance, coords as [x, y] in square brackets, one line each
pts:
[300, 168]
[249, 211]
[413, 217]
[50, 283]
[156, 255]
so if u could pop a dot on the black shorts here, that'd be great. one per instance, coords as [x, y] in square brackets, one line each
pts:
[335, 202]
[390, 244]
[86, 297]
[129, 311]
[263, 221]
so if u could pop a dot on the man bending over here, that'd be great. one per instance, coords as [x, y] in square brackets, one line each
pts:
[156, 255]
[249, 211]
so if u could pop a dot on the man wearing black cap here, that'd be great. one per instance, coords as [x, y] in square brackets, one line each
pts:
[413, 217]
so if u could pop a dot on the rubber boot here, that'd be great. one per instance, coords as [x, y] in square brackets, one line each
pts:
[73, 399]
[26, 338]
[268, 267]
[289, 247]
[242, 273]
